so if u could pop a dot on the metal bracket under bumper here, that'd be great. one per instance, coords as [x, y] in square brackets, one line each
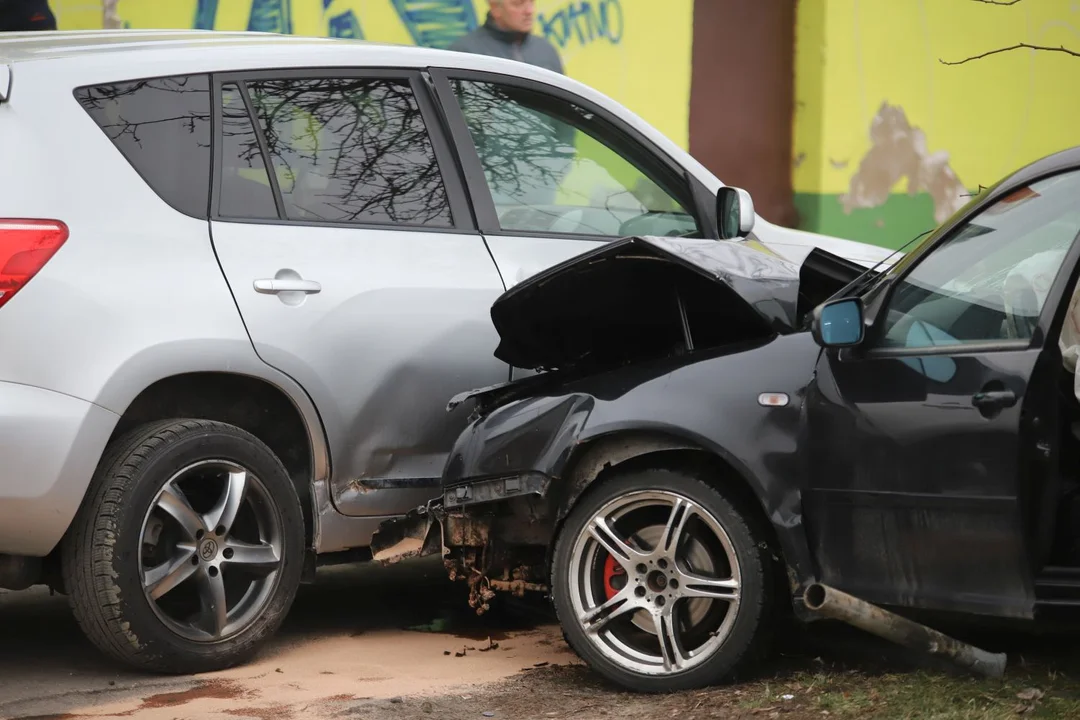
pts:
[420, 532]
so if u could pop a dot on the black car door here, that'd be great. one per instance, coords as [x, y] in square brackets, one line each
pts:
[923, 443]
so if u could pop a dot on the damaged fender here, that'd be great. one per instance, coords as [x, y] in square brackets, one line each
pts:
[546, 450]
[646, 346]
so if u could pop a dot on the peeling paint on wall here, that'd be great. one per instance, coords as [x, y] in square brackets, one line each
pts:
[899, 151]
[888, 139]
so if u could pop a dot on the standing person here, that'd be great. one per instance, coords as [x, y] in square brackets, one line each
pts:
[19, 15]
[507, 33]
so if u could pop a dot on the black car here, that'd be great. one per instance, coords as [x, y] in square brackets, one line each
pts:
[712, 432]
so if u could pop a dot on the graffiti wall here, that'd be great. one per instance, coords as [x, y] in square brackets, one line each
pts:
[636, 51]
[890, 138]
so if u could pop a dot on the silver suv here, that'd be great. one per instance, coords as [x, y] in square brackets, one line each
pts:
[240, 276]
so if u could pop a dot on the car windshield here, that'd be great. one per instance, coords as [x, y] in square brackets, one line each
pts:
[1030, 227]
[987, 280]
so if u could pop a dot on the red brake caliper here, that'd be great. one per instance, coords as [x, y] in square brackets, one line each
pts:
[614, 577]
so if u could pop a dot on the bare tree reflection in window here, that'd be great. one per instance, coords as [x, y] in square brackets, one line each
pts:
[352, 151]
[548, 170]
[162, 127]
[245, 184]
[524, 153]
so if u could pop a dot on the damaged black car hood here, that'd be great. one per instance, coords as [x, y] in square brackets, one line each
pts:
[644, 297]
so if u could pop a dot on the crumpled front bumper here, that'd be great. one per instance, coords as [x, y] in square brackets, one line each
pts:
[438, 525]
[464, 525]
[416, 534]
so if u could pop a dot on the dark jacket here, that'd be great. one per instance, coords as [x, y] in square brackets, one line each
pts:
[490, 40]
[18, 15]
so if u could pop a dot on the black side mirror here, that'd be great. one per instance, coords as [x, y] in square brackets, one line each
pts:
[838, 323]
[734, 213]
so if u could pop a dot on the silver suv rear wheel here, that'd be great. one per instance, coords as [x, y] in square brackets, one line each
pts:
[209, 575]
[187, 552]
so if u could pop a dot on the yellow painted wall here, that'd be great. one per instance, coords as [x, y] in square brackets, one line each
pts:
[636, 51]
[990, 116]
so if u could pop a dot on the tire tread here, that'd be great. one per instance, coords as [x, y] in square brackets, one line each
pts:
[88, 549]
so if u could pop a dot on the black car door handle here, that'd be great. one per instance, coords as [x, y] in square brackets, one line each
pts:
[994, 399]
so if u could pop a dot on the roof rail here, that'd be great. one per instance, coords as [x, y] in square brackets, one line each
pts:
[5, 82]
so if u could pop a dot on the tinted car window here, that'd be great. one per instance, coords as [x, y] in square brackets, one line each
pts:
[351, 151]
[162, 127]
[245, 185]
[990, 279]
[553, 167]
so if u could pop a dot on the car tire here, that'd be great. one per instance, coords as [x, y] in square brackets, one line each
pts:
[144, 590]
[609, 649]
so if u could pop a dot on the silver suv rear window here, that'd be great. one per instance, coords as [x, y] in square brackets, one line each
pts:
[162, 126]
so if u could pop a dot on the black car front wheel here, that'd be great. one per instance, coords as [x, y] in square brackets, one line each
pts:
[659, 582]
[187, 553]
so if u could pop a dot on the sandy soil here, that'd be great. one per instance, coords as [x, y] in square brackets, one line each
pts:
[316, 678]
[401, 643]
[362, 633]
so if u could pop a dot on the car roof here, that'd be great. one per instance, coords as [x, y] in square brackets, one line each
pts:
[75, 44]
[131, 54]
[1062, 160]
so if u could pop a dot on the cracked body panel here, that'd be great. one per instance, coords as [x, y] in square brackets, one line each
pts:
[650, 350]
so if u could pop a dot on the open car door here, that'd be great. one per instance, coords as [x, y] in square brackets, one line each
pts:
[931, 443]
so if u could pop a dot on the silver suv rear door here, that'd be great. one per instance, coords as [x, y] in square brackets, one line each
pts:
[357, 267]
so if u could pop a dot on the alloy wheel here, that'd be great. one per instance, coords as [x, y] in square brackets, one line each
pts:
[655, 582]
[211, 551]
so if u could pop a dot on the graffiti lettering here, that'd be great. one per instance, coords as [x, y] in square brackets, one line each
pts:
[205, 12]
[271, 16]
[586, 20]
[436, 23]
[346, 25]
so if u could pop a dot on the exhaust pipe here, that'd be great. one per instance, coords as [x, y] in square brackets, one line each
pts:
[837, 605]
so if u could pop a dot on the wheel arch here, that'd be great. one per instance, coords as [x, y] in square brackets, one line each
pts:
[288, 424]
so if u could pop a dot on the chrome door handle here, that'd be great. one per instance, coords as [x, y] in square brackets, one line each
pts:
[273, 286]
[994, 398]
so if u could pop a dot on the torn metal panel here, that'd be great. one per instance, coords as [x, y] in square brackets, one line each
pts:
[484, 491]
[417, 534]
[366, 485]
[705, 402]
[471, 530]
[641, 298]
[822, 275]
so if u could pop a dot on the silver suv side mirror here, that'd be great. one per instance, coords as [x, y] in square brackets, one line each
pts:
[734, 213]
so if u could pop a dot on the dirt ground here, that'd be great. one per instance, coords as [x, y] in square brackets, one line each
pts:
[371, 642]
